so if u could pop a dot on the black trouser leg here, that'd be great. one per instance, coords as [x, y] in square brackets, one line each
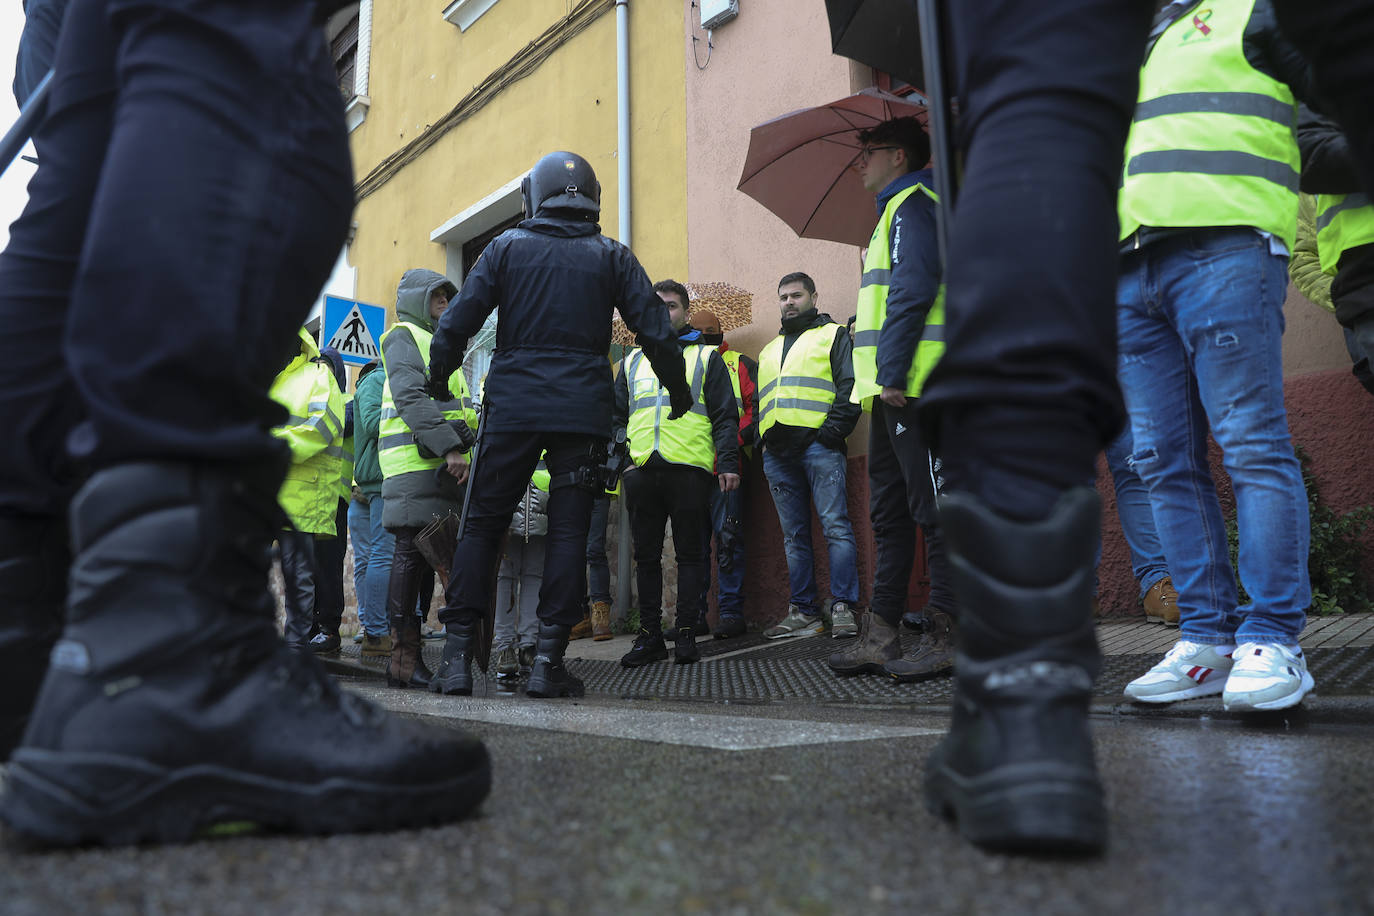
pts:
[894, 526]
[298, 576]
[329, 567]
[564, 586]
[648, 508]
[689, 510]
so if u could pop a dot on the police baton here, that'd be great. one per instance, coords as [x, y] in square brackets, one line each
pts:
[472, 470]
[23, 128]
[931, 18]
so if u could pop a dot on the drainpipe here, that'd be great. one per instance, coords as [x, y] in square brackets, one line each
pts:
[622, 102]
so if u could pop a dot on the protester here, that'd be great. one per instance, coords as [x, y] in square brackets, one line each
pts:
[146, 213]
[519, 577]
[898, 338]
[418, 440]
[1204, 273]
[310, 493]
[806, 374]
[727, 506]
[331, 546]
[554, 281]
[370, 537]
[678, 462]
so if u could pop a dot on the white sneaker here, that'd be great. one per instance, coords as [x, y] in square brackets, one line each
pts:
[1188, 670]
[1267, 675]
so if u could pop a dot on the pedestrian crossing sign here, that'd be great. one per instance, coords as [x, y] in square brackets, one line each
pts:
[353, 328]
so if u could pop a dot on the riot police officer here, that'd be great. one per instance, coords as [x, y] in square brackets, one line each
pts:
[554, 280]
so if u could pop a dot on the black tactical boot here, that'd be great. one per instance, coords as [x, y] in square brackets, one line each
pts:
[932, 656]
[548, 677]
[685, 649]
[648, 648]
[1016, 769]
[171, 706]
[33, 583]
[877, 645]
[455, 667]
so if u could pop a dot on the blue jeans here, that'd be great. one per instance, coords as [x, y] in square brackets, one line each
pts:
[1136, 514]
[795, 481]
[729, 582]
[598, 569]
[372, 549]
[1201, 322]
[383, 549]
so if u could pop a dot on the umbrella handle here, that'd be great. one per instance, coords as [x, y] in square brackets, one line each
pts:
[931, 18]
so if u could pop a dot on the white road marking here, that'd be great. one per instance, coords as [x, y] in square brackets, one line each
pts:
[692, 729]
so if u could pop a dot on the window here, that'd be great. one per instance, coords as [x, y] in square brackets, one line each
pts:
[473, 247]
[344, 47]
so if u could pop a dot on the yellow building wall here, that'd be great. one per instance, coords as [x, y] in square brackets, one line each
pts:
[422, 66]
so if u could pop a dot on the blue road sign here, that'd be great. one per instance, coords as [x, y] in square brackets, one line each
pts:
[353, 328]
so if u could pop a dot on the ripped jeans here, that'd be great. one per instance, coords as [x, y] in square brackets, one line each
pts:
[1200, 321]
[817, 474]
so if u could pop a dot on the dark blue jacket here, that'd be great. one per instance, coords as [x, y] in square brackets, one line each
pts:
[554, 283]
[915, 277]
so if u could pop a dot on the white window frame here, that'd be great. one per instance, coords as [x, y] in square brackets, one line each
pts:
[355, 112]
[488, 213]
[463, 13]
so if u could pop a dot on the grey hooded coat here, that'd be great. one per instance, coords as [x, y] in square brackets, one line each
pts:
[414, 499]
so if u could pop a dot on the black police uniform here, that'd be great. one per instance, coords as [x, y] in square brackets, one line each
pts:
[554, 280]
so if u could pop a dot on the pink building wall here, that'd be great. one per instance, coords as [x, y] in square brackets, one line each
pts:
[775, 58]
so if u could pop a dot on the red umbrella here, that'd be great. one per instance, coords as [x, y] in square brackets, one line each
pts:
[798, 165]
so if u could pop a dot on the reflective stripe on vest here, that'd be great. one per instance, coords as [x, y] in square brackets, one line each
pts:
[396, 449]
[1343, 222]
[731, 360]
[686, 440]
[797, 391]
[872, 312]
[1213, 140]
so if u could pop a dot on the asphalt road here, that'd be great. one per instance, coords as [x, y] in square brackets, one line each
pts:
[613, 806]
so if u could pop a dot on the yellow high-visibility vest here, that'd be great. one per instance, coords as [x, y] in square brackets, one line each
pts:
[686, 440]
[396, 449]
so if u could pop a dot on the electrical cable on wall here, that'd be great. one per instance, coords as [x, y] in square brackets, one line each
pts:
[709, 46]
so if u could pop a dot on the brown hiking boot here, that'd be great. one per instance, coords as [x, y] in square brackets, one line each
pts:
[582, 629]
[1161, 603]
[601, 620]
[876, 646]
[376, 646]
[933, 656]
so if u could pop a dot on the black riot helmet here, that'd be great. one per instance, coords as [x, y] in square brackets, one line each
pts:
[562, 181]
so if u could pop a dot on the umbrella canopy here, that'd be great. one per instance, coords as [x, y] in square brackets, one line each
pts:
[880, 33]
[798, 165]
[732, 305]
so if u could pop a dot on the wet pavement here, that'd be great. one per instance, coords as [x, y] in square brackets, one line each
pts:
[620, 804]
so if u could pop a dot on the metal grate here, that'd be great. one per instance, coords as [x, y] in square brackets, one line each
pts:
[797, 670]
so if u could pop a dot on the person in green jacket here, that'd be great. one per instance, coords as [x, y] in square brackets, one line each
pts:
[373, 545]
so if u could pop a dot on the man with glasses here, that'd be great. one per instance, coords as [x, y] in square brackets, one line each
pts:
[898, 338]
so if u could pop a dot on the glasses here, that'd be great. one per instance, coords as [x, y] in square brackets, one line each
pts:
[867, 152]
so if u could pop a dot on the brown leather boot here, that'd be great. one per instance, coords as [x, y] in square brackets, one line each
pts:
[601, 621]
[582, 629]
[877, 645]
[933, 656]
[1161, 603]
[405, 668]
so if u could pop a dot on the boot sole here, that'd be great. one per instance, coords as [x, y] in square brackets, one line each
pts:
[57, 799]
[917, 678]
[865, 668]
[550, 692]
[1037, 808]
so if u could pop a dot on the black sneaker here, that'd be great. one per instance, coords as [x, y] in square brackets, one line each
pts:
[648, 648]
[325, 644]
[685, 649]
[729, 626]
